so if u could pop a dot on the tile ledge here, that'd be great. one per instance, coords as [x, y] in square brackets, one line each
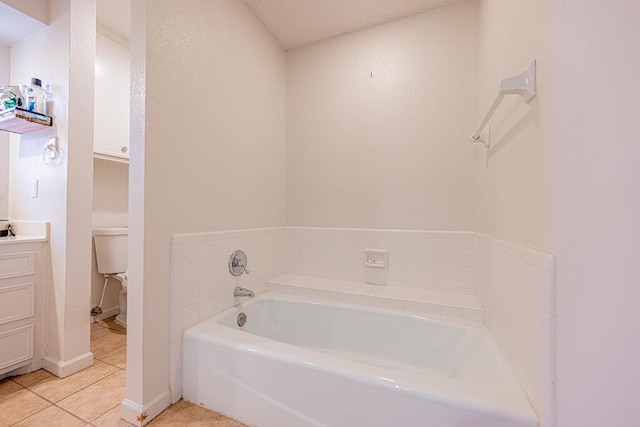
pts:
[359, 289]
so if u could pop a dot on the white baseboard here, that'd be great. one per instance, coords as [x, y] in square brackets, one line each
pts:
[64, 368]
[139, 415]
[109, 312]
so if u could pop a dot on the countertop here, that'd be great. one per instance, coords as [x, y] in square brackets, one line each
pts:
[27, 232]
[21, 239]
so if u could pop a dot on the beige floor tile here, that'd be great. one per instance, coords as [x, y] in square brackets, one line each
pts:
[109, 342]
[55, 389]
[32, 378]
[111, 419]
[98, 331]
[117, 357]
[111, 324]
[7, 387]
[187, 414]
[19, 405]
[51, 417]
[98, 398]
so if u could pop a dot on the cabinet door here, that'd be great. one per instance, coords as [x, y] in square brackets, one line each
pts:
[21, 306]
[112, 87]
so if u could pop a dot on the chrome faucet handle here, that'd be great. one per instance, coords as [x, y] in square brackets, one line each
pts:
[238, 263]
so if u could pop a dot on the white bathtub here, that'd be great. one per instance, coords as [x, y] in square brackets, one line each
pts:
[298, 362]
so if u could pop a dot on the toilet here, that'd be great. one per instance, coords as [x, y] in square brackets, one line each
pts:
[111, 255]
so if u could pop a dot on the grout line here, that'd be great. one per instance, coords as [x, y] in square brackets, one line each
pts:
[85, 421]
[55, 404]
[72, 414]
[110, 364]
[11, 379]
[30, 415]
[97, 356]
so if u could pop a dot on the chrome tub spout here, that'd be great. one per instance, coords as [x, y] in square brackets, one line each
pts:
[242, 292]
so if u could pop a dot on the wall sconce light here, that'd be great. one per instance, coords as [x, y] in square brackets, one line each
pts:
[50, 154]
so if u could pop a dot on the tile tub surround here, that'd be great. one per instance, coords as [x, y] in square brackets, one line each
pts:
[458, 274]
[202, 286]
[517, 289]
[412, 300]
[436, 260]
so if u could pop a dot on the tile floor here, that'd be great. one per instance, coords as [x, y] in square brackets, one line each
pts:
[92, 396]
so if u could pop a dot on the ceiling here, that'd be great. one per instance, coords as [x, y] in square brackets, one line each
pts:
[114, 16]
[15, 25]
[295, 22]
[298, 22]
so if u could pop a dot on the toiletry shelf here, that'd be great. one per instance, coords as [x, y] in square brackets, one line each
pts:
[17, 120]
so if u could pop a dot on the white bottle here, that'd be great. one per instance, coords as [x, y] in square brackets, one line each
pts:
[40, 96]
[48, 100]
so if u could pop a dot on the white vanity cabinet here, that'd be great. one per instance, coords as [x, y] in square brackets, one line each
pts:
[111, 109]
[21, 305]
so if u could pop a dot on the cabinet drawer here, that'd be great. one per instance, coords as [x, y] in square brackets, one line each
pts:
[16, 346]
[17, 302]
[17, 264]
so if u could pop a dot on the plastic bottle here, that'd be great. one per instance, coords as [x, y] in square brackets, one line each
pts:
[29, 98]
[48, 100]
[40, 96]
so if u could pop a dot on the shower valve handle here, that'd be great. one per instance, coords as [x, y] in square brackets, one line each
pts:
[238, 263]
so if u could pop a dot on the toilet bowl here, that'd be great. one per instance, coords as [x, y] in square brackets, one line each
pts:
[121, 318]
[111, 255]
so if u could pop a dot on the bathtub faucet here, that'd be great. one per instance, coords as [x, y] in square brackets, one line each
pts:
[242, 292]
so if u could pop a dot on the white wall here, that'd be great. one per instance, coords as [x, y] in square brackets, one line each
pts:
[514, 181]
[110, 193]
[65, 187]
[207, 154]
[513, 185]
[4, 140]
[387, 151]
[596, 170]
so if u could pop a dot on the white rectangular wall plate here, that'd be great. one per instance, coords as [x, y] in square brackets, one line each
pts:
[376, 258]
[34, 188]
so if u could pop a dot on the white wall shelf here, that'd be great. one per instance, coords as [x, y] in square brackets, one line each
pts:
[17, 120]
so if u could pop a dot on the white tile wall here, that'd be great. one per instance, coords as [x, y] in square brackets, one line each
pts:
[202, 286]
[438, 260]
[517, 291]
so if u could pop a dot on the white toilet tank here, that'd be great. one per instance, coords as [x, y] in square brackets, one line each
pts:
[111, 249]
